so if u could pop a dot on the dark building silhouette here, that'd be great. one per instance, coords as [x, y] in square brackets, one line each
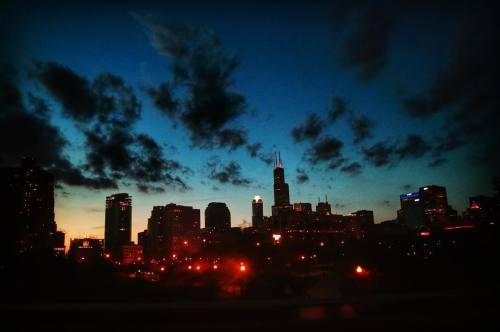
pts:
[365, 218]
[118, 223]
[324, 208]
[27, 213]
[281, 193]
[302, 207]
[171, 227]
[86, 249]
[131, 253]
[481, 211]
[257, 212]
[435, 203]
[218, 217]
[412, 212]
[157, 241]
[58, 243]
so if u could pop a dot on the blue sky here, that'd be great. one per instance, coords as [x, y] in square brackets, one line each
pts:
[288, 68]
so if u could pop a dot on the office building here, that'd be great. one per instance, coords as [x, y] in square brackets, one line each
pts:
[118, 223]
[218, 217]
[281, 193]
[302, 207]
[435, 203]
[27, 196]
[412, 210]
[323, 208]
[171, 227]
[86, 249]
[257, 212]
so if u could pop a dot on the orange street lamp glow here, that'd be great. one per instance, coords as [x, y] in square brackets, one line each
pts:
[359, 269]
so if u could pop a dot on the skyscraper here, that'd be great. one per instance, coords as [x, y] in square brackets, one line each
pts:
[435, 203]
[412, 210]
[118, 222]
[27, 196]
[324, 208]
[169, 227]
[365, 218]
[257, 211]
[218, 217]
[281, 192]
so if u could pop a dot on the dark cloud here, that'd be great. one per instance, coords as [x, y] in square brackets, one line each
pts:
[309, 130]
[125, 155]
[73, 91]
[149, 189]
[39, 106]
[253, 149]
[379, 154]
[229, 173]
[362, 128]
[384, 153]
[106, 110]
[326, 149]
[337, 163]
[28, 132]
[386, 203]
[106, 100]
[364, 48]
[406, 187]
[353, 168]
[438, 162]
[339, 108]
[164, 100]
[203, 69]
[302, 176]
[413, 147]
[448, 143]
[267, 158]
[466, 89]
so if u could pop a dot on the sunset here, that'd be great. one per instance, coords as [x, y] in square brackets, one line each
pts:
[249, 142]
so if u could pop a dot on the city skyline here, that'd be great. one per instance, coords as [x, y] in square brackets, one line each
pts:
[361, 131]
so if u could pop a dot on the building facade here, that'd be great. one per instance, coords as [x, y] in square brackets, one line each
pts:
[435, 203]
[27, 195]
[412, 210]
[171, 227]
[118, 223]
[218, 217]
[257, 212]
[281, 192]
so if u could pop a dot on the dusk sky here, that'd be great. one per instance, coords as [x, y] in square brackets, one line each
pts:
[187, 102]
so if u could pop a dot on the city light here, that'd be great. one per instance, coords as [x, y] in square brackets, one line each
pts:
[276, 238]
[425, 233]
[359, 269]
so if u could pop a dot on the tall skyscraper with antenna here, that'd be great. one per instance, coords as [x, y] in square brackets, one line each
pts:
[281, 191]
